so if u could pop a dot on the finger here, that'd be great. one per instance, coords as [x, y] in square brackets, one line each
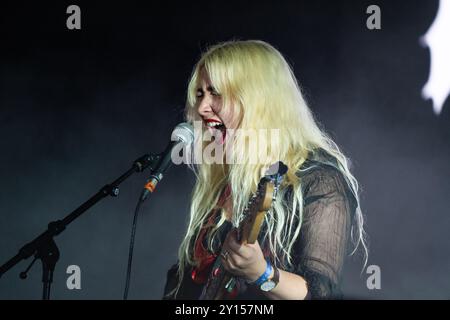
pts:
[228, 263]
[250, 249]
[255, 245]
[233, 244]
[242, 252]
[235, 260]
[227, 243]
[229, 266]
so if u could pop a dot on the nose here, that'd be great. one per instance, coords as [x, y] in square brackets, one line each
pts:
[205, 107]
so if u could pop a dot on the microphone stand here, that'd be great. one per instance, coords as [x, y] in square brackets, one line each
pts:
[44, 248]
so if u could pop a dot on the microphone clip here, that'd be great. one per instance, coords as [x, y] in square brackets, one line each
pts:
[151, 162]
[146, 161]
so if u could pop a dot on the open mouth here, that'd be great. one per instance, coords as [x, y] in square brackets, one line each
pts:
[214, 124]
[217, 125]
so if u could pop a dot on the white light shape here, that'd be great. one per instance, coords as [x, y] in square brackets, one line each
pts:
[437, 39]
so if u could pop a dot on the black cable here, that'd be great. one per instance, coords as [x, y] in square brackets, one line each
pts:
[130, 251]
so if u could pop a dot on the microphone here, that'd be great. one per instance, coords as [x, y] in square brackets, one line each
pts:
[182, 135]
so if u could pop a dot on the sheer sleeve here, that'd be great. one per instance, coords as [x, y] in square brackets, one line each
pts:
[324, 234]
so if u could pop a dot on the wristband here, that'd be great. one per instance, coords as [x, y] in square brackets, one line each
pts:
[265, 276]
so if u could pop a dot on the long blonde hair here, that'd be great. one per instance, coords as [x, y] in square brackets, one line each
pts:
[256, 79]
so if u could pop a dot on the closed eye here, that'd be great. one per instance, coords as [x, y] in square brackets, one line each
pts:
[199, 93]
[213, 91]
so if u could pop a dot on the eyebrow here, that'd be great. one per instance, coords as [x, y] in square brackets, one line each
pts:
[209, 88]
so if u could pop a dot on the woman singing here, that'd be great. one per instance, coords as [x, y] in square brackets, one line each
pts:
[248, 85]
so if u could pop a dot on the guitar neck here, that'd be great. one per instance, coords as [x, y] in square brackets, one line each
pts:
[220, 282]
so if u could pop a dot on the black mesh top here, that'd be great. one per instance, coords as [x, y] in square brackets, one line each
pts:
[320, 249]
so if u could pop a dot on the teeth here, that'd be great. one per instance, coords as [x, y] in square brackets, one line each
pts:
[213, 124]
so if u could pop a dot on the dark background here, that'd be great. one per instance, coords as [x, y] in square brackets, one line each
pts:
[77, 107]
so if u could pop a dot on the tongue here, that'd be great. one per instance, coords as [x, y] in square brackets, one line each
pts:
[220, 133]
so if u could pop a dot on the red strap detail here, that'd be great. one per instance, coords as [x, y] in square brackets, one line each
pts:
[206, 259]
